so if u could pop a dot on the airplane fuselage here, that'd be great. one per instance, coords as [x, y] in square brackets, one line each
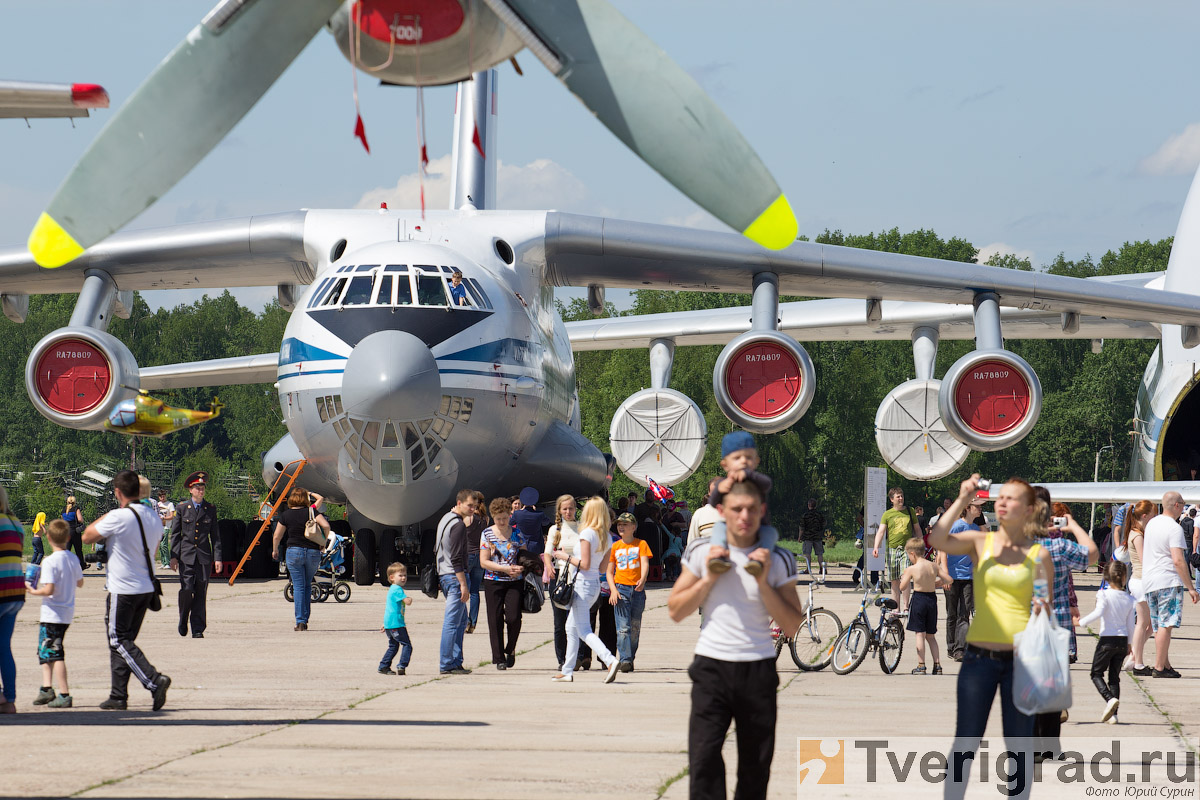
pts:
[398, 393]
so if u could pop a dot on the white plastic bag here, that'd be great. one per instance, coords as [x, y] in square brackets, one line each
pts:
[1121, 553]
[1041, 667]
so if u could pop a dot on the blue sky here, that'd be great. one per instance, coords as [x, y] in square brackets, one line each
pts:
[1029, 127]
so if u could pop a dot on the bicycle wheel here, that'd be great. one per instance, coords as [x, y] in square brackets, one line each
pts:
[891, 646]
[851, 648]
[812, 644]
[779, 640]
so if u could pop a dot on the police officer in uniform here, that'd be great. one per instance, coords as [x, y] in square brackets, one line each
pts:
[195, 549]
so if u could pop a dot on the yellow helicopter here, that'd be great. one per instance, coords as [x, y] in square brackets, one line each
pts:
[149, 416]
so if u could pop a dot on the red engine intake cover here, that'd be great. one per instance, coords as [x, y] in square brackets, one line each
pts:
[411, 22]
[992, 398]
[763, 379]
[73, 376]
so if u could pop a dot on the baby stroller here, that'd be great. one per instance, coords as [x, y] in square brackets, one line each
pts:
[330, 577]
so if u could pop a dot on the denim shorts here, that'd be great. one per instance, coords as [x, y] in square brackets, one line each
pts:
[1166, 607]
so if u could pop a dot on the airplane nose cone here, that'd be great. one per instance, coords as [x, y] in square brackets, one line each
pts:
[391, 375]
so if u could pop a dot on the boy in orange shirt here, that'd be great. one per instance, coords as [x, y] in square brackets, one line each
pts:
[628, 568]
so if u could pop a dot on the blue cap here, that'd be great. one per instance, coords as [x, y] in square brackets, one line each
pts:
[528, 496]
[738, 440]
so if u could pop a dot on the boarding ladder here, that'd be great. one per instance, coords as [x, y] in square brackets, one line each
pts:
[280, 498]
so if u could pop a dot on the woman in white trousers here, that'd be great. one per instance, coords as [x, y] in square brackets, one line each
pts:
[591, 561]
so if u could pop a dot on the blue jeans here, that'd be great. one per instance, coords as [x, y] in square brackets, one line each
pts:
[39, 551]
[768, 537]
[454, 624]
[397, 638]
[8, 666]
[978, 680]
[474, 582]
[629, 620]
[302, 565]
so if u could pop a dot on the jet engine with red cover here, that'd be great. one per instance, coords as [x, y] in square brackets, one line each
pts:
[764, 381]
[77, 376]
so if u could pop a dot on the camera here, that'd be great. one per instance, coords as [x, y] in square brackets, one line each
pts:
[1059, 522]
[984, 484]
[98, 557]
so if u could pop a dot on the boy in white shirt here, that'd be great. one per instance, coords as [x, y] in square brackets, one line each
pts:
[1115, 610]
[60, 577]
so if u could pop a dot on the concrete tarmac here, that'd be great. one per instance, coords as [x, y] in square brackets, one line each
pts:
[258, 710]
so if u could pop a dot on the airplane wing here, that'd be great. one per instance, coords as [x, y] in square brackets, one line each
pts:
[839, 320]
[215, 372]
[581, 250]
[250, 251]
[1115, 491]
[27, 100]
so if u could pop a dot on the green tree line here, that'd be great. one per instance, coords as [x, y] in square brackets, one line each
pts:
[1088, 396]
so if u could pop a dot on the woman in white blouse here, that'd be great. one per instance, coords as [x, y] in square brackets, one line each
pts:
[562, 536]
[590, 555]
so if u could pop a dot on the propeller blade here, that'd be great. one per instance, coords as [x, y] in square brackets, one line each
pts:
[656, 109]
[180, 113]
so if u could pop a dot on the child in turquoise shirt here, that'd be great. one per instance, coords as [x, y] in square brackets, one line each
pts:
[393, 622]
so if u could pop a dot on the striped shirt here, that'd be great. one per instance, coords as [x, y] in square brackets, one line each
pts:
[12, 547]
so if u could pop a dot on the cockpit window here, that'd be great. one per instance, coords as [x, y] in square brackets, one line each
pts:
[366, 267]
[335, 292]
[404, 296]
[384, 298]
[431, 291]
[476, 293]
[359, 293]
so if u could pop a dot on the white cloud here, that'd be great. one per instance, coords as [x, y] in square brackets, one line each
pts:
[1178, 155]
[540, 184]
[989, 250]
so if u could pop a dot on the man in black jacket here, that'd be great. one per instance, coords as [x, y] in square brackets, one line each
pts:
[195, 553]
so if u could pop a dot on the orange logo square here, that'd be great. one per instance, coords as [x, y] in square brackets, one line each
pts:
[820, 761]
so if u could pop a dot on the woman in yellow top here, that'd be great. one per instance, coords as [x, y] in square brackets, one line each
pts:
[1006, 564]
[39, 550]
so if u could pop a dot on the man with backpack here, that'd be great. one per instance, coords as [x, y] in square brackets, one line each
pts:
[450, 557]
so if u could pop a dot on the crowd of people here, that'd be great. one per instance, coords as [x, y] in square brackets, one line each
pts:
[594, 563]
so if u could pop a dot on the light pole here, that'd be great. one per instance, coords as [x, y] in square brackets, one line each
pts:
[1095, 479]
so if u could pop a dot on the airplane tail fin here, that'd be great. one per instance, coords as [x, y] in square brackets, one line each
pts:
[1183, 269]
[473, 159]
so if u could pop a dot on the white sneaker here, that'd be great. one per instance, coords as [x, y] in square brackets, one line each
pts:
[1128, 665]
[1110, 710]
[612, 671]
[1112, 720]
[563, 678]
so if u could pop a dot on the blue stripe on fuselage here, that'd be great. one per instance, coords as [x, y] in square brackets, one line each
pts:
[294, 351]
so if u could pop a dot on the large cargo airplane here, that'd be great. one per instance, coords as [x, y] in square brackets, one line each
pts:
[398, 388]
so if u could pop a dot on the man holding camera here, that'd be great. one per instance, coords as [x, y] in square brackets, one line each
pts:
[195, 548]
[129, 532]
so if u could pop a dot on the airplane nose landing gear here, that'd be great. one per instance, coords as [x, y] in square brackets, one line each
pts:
[391, 375]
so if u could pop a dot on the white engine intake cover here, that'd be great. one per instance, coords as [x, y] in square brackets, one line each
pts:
[764, 381]
[658, 433]
[911, 436]
[990, 399]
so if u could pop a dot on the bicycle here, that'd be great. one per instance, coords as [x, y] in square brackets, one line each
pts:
[857, 640]
[812, 645]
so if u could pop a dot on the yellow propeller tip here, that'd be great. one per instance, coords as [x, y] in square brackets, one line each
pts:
[52, 246]
[776, 227]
